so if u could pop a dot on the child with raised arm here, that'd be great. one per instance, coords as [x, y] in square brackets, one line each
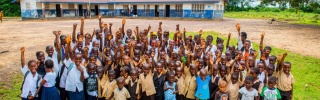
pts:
[49, 91]
[31, 78]
[285, 79]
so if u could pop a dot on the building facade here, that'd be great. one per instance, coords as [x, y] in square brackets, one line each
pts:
[38, 9]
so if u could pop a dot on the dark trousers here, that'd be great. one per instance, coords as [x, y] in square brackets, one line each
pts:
[63, 94]
[92, 97]
[36, 98]
[145, 97]
[180, 97]
[285, 95]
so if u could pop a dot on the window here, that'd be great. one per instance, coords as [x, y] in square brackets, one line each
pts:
[178, 7]
[71, 6]
[47, 6]
[28, 6]
[147, 8]
[197, 8]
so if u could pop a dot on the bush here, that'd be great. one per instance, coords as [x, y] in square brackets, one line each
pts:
[291, 10]
[275, 10]
[317, 11]
[308, 9]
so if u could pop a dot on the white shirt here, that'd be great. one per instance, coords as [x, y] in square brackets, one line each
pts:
[30, 83]
[50, 78]
[63, 77]
[73, 81]
[212, 50]
[240, 44]
[261, 77]
[54, 58]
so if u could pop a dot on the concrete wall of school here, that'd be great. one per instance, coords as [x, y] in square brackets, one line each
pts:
[211, 11]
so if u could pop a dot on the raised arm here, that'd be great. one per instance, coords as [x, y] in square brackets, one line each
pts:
[184, 35]
[82, 27]
[110, 26]
[199, 37]
[282, 60]
[238, 28]
[74, 33]
[227, 45]
[122, 30]
[100, 24]
[23, 60]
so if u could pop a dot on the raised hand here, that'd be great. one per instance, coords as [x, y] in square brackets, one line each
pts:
[184, 30]
[229, 35]
[285, 54]
[100, 15]
[200, 32]
[75, 25]
[262, 35]
[82, 20]
[149, 27]
[80, 38]
[152, 54]
[124, 21]
[110, 24]
[238, 27]
[22, 49]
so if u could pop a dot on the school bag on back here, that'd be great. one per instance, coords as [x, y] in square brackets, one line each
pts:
[25, 76]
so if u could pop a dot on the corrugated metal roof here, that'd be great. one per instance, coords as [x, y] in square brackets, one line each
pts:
[130, 1]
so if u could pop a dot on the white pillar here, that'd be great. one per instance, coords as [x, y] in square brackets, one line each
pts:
[43, 10]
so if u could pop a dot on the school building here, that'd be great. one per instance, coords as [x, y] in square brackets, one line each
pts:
[38, 9]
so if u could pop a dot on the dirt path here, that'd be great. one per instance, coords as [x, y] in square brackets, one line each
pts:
[35, 35]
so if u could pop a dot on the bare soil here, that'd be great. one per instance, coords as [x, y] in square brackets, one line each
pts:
[35, 35]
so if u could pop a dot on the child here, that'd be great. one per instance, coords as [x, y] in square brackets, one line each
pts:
[180, 83]
[91, 82]
[31, 78]
[270, 92]
[49, 91]
[190, 82]
[76, 75]
[133, 85]
[285, 79]
[40, 70]
[222, 94]
[101, 81]
[146, 83]
[214, 81]
[158, 80]
[233, 86]
[120, 93]
[257, 84]
[124, 73]
[170, 88]
[110, 85]
[248, 92]
[202, 80]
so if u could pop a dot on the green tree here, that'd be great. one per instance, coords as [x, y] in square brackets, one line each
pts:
[314, 5]
[10, 9]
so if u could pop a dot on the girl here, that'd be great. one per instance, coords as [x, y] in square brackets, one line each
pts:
[170, 88]
[49, 91]
[248, 92]
[180, 83]
[158, 80]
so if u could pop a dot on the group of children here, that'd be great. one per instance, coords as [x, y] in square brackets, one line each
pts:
[132, 65]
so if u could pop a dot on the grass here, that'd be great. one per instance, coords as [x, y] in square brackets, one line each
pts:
[292, 17]
[304, 68]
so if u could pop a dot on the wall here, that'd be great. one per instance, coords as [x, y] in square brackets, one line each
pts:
[30, 10]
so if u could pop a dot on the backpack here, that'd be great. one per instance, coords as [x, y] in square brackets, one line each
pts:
[61, 72]
[25, 76]
[91, 82]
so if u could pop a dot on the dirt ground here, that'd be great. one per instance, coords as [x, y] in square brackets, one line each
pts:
[35, 35]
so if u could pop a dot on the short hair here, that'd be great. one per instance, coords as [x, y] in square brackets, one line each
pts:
[120, 79]
[48, 63]
[272, 79]
[126, 69]
[111, 72]
[134, 71]
[38, 53]
[244, 34]
[272, 56]
[90, 64]
[170, 73]
[287, 63]
[247, 41]
[256, 70]
[249, 78]
[31, 61]
[268, 47]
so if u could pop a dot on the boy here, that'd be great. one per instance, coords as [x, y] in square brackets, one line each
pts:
[190, 82]
[121, 93]
[285, 79]
[146, 83]
[202, 80]
[133, 85]
[91, 82]
[222, 94]
[110, 85]
[31, 77]
[270, 92]
[76, 75]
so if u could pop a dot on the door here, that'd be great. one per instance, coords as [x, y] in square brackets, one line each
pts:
[80, 10]
[125, 10]
[96, 7]
[135, 10]
[58, 10]
[167, 10]
[156, 11]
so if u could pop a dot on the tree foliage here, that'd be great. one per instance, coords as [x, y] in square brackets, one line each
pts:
[10, 9]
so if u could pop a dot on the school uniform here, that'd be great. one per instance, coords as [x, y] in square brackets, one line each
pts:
[284, 84]
[202, 91]
[147, 86]
[191, 85]
[56, 64]
[63, 73]
[233, 90]
[122, 94]
[133, 88]
[74, 85]
[30, 83]
[49, 91]
[101, 83]
[213, 85]
[181, 86]
[158, 80]
[257, 85]
[212, 50]
[108, 88]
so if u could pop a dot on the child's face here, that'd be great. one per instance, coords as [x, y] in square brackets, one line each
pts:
[248, 84]
[272, 60]
[223, 60]
[126, 60]
[100, 73]
[261, 67]
[270, 70]
[223, 72]
[92, 60]
[203, 75]
[215, 71]
[33, 67]
[229, 56]
[246, 45]
[251, 61]
[79, 46]
[253, 74]
[78, 59]
[120, 84]
[171, 78]
[95, 52]
[286, 68]
[179, 72]
[146, 70]
[236, 68]
[49, 51]
[171, 67]
[40, 57]
[123, 72]
[193, 70]
[134, 76]
[271, 84]
[92, 69]
[234, 79]
[159, 68]
[111, 76]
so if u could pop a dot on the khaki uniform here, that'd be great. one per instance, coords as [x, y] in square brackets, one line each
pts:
[1, 15]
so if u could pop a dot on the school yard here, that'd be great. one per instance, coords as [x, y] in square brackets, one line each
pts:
[301, 41]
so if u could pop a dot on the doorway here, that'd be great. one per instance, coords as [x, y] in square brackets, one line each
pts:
[96, 7]
[58, 10]
[135, 11]
[167, 10]
[156, 11]
[80, 10]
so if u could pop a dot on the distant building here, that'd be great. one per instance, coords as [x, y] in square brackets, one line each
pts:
[208, 9]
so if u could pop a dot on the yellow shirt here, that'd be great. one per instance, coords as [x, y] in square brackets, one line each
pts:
[181, 85]
[108, 88]
[147, 84]
[190, 86]
[132, 83]
[101, 83]
[122, 94]
[233, 90]
[284, 82]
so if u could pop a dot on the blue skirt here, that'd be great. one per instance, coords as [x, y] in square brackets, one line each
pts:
[49, 93]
